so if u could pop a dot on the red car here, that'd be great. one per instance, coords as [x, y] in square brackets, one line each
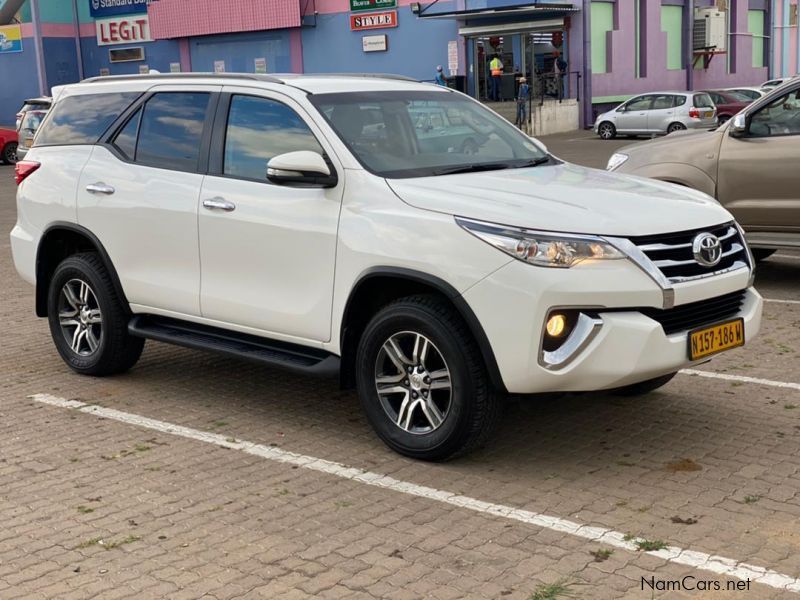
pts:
[728, 103]
[8, 146]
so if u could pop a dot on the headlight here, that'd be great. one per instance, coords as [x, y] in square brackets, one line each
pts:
[616, 161]
[541, 248]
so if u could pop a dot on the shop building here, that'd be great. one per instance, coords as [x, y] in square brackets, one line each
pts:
[580, 56]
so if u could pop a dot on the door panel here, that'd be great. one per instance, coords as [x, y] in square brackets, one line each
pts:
[149, 228]
[634, 118]
[268, 263]
[661, 113]
[757, 178]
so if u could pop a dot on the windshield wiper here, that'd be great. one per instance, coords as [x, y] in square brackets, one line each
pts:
[473, 168]
[535, 162]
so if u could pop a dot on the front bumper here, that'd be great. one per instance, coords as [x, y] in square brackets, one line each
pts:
[513, 303]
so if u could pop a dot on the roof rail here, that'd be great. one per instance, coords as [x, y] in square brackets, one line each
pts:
[371, 75]
[139, 77]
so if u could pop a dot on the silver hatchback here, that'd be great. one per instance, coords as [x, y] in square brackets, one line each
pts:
[658, 113]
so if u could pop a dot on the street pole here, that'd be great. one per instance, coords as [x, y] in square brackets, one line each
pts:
[39, 46]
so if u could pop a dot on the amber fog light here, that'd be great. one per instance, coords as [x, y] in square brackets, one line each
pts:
[557, 327]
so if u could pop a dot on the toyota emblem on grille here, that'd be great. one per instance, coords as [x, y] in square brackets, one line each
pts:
[707, 249]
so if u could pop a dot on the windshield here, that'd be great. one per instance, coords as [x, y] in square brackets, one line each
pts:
[399, 134]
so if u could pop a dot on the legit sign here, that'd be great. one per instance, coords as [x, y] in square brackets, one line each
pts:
[378, 20]
[123, 30]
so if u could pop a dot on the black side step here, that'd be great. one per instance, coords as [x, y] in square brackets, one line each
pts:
[202, 337]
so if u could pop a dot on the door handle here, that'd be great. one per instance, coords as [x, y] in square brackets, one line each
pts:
[100, 188]
[219, 204]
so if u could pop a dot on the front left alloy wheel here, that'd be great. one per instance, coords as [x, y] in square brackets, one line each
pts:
[422, 381]
[88, 322]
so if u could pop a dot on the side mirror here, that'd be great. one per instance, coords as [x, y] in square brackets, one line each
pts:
[622, 109]
[738, 126]
[302, 167]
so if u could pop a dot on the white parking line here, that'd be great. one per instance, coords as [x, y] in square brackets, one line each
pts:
[778, 300]
[742, 379]
[601, 535]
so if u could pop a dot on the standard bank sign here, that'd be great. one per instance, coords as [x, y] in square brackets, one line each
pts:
[107, 8]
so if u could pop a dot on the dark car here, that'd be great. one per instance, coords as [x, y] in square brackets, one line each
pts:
[8, 146]
[728, 103]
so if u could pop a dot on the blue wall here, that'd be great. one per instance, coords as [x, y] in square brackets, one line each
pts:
[19, 81]
[157, 55]
[61, 61]
[239, 51]
[415, 47]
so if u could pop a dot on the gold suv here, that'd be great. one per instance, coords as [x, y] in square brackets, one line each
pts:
[751, 164]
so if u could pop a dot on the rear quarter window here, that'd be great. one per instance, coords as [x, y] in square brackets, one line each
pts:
[83, 119]
[703, 101]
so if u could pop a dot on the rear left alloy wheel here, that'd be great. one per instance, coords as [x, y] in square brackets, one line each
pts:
[676, 127]
[422, 382]
[88, 322]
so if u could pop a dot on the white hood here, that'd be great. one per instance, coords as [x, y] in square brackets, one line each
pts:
[565, 198]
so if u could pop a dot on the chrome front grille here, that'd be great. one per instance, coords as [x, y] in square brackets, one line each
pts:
[673, 255]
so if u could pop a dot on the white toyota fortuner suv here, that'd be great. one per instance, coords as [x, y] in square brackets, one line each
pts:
[396, 233]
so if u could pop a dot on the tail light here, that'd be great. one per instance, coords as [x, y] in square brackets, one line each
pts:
[23, 169]
[694, 113]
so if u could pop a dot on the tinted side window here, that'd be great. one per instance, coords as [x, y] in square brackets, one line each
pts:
[171, 129]
[642, 103]
[83, 119]
[779, 117]
[258, 129]
[680, 100]
[663, 102]
[126, 138]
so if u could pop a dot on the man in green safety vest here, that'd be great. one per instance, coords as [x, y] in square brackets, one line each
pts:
[495, 70]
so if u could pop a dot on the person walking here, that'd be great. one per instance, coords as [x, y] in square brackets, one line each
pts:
[523, 93]
[439, 79]
[496, 70]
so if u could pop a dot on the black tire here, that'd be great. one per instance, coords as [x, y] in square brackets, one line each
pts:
[606, 131]
[762, 253]
[474, 407]
[722, 119]
[9, 155]
[673, 127]
[644, 387]
[115, 350]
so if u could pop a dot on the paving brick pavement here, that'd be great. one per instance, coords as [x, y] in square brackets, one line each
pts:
[95, 508]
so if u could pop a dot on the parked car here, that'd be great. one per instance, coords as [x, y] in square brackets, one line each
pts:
[753, 93]
[42, 103]
[657, 114]
[749, 165]
[727, 103]
[27, 130]
[248, 215]
[8, 146]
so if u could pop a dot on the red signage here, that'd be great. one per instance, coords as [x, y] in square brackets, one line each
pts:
[123, 30]
[378, 20]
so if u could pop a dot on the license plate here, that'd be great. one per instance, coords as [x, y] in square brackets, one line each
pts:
[707, 114]
[717, 338]
[28, 143]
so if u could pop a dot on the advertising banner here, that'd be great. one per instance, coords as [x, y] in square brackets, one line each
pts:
[10, 39]
[379, 20]
[372, 4]
[108, 8]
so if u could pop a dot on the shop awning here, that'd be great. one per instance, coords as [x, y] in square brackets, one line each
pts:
[508, 13]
